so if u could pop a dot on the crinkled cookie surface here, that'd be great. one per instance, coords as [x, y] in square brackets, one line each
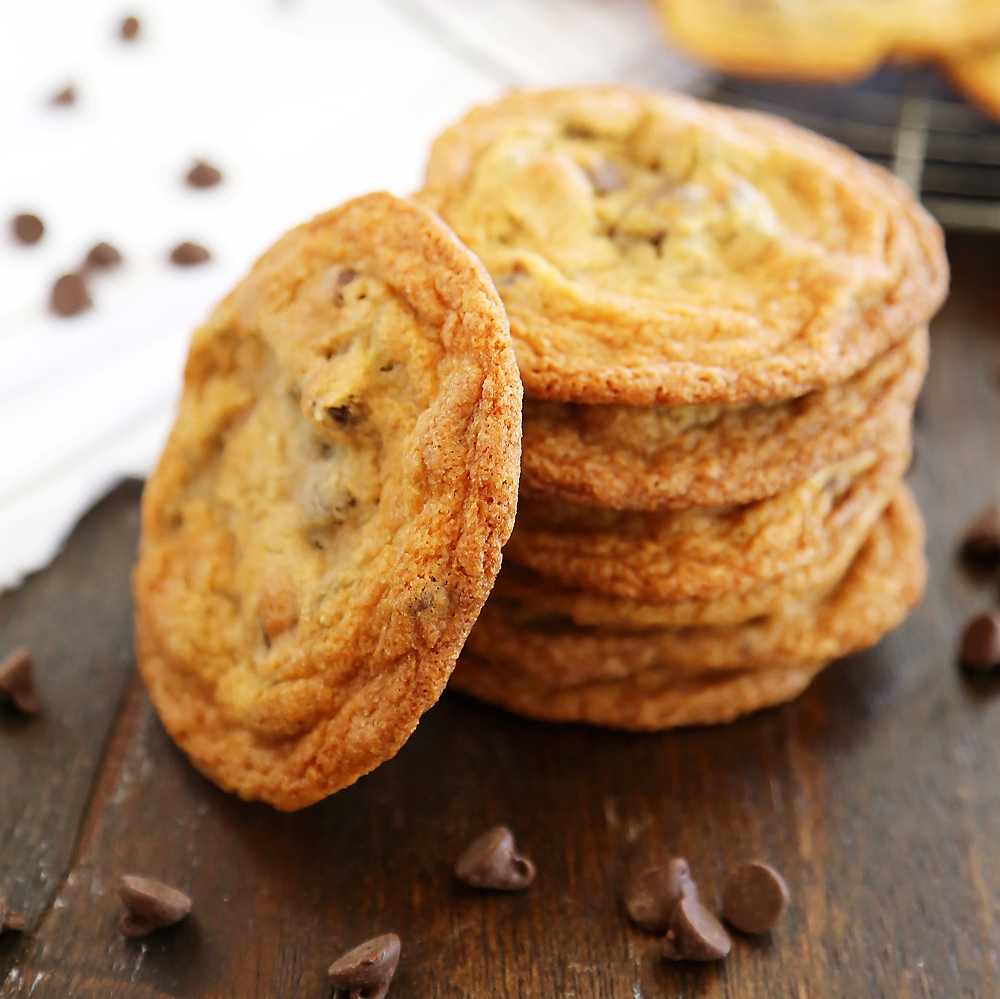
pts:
[824, 39]
[326, 520]
[651, 249]
[651, 457]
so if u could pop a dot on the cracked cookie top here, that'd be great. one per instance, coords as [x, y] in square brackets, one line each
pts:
[651, 249]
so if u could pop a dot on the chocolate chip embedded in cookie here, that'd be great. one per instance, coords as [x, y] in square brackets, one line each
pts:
[739, 259]
[824, 39]
[326, 520]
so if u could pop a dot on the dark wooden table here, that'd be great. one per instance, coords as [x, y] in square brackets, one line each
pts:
[877, 793]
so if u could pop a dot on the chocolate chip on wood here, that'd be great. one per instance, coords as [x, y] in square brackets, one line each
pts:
[188, 254]
[203, 175]
[9, 919]
[366, 970]
[694, 934]
[151, 904]
[492, 861]
[650, 896]
[69, 295]
[103, 255]
[981, 642]
[754, 897]
[17, 681]
[27, 228]
[981, 545]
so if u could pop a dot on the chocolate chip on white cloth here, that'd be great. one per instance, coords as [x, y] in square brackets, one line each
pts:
[694, 934]
[103, 255]
[27, 228]
[188, 254]
[70, 296]
[492, 861]
[151, 904]
[365, 971]
[65, 97]
[650, 896]
[129, 28]
[203, 175]
[754, 897]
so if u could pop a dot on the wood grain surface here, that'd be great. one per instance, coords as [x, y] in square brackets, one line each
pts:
[877, 794]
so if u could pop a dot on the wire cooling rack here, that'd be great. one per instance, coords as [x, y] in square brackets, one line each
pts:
[907, 120]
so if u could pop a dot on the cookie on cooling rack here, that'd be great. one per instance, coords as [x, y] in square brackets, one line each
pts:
[824, 39]
[326, 520]
[651, 249]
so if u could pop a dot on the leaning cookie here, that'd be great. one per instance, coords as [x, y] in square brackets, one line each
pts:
[652, 457]
[885, 581]
[648, 702]
[824, 39]
[326, 520]
[705, 553]
[651, 249]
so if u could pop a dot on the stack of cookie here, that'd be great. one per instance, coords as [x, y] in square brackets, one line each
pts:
[720, 322]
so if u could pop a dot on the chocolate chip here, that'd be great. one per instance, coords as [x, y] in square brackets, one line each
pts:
[9, 919]
[188, 254]
[346, 276]
[606, 178]
[69, 295]
[491, 861]
[753, 897]
[17, 681]
[650, 896]
[103, 255]
[150, 905]
[366, 970]
[65, 97]
[981, 545]
[981, 642]
[130, 28]
[203, 175]
[694, 934]
[27, 228]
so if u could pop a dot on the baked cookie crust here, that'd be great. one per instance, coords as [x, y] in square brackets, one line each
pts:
[824, 39]
[977, 74]
[705, 553]
[649, 702]
[327, 517]
[652, 249]
[647, 458]
[883, 584]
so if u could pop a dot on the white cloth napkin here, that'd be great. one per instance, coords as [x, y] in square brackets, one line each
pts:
[300, 103]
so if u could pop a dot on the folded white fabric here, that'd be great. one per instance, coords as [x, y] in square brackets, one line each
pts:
[300, 103]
